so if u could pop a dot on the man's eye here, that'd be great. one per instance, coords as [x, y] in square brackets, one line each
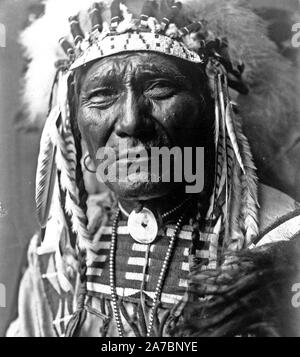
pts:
[160, 90]
[103, 96]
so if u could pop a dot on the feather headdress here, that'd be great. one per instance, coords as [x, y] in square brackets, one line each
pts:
[206, 32]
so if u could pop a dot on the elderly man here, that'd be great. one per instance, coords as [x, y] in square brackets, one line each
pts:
[117, 263]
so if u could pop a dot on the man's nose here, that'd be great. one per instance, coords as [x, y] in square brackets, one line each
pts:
[134, 119]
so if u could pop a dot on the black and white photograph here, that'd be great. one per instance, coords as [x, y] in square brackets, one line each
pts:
[149, 171]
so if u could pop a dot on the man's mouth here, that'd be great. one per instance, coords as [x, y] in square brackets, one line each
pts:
[133, 154]
[142, 163]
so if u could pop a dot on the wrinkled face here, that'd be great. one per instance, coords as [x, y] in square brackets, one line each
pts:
[139, 101]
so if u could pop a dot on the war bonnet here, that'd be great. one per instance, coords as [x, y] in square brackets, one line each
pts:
[225, 37]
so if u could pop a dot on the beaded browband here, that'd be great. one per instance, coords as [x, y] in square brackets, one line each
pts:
[192, 42]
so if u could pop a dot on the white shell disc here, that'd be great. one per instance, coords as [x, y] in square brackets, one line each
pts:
[142, 226]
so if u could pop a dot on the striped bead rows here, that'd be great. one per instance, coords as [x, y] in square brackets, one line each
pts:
[160, 282]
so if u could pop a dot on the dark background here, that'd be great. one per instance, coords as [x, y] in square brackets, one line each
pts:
[19, 150]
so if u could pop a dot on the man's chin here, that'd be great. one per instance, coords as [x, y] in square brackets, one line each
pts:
[140, 190]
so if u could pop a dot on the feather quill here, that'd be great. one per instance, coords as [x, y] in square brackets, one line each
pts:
[250, 205]
[236, 233]
[218, 158]
[226, 168]
[46, 169]
[231, 130]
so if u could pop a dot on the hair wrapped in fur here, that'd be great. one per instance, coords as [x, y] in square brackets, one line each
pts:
[253, 295]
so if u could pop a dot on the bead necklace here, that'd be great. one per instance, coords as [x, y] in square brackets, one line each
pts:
[160, 281]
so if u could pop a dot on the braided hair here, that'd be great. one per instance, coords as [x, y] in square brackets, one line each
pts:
[73, 105]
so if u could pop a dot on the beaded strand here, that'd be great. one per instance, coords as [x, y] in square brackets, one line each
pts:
[161, 278]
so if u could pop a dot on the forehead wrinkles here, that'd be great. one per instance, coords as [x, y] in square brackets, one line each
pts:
[129, 68]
